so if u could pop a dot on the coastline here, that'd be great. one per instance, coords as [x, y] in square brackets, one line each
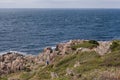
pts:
[61, 49]
[48, 59]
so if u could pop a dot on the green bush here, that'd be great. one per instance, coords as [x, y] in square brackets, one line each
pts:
[93, 42]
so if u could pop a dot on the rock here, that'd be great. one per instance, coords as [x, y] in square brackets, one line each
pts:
[83, 50]
[54, 75]
[77, 76]
[69, 72]
[86, 50]
[76, 64]
[12, 62]
[46, 56]
[60, 47]
[65, 48]
[48, 50]
[104, 47]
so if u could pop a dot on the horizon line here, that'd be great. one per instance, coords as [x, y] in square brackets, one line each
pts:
[55, 8]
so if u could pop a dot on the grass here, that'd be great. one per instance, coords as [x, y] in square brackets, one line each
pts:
[62, 78]
[89, 61]
[86, 44]
[26, 75]
[3, 78]
[92, 65]
[65, 60]
[115, 45]
[112, 59]
[106, 73]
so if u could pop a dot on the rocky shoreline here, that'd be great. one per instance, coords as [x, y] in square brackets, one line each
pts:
[12, 62]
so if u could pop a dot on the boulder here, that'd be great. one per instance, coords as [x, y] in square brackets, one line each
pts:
[13, 62]
[104, 47]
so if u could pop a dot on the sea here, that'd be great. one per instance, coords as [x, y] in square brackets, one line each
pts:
[31, 30]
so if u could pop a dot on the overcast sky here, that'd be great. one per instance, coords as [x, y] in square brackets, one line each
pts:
[59, 3]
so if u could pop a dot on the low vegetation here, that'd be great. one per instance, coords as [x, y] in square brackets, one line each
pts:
[115, 45]
[86, 44]
[89, 65]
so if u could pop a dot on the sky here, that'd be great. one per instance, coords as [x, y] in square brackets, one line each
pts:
[59, 3]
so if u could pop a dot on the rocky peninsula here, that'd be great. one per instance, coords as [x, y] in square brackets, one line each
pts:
[72, 60]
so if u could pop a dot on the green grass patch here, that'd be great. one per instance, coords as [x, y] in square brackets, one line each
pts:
[65, 60]
[86, 44]
[26, 75]
[43, 75]
[112, 59]
[88, 61]
[62, 78]
[3, 78]
[115, 45]
[91, 64]
[86, 56]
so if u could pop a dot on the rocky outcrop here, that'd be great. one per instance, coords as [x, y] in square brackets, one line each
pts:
[47, 55]
[65, 48]
[104, 47]
[12, 61]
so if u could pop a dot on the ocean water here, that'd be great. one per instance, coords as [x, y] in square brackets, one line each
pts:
[30, 30]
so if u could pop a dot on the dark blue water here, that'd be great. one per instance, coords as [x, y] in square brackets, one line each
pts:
[30, 30]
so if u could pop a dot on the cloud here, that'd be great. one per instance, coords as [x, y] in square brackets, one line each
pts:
[59, 3]
[6, 1]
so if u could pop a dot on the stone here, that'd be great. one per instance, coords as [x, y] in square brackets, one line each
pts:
[54, 75]
[12, 62]
[48, 50]
[104, 47]
[76, 64]
[69, 72]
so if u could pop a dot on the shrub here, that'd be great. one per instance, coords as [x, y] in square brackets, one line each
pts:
[93, 42]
